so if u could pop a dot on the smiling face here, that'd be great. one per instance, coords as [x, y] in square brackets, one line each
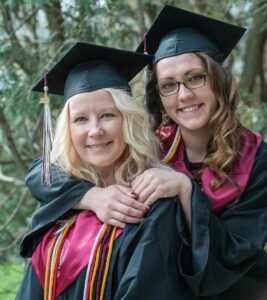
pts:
[191, 109]
[96, 130]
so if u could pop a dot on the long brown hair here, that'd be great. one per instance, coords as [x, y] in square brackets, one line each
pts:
[224, 144]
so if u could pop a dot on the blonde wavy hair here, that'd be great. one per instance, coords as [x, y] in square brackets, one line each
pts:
[142, 145]
[224, 145]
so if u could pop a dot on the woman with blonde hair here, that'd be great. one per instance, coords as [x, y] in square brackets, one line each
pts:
[102, 136]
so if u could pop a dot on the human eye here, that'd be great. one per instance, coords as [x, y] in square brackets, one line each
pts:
[80, 119]
[196, 78]
[167, 86]
[107, 115]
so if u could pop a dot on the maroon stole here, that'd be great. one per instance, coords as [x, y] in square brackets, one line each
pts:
[86, 241]
[220, 195]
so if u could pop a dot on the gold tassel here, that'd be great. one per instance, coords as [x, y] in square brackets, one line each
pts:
[47, 138]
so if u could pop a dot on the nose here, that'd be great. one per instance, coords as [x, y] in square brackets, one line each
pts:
[184, 93]
[95, 130]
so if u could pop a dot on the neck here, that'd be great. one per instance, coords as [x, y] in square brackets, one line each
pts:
[107, 177]
[196, 144]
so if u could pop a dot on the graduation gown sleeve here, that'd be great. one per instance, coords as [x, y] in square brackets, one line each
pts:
[56, 200]
[228, 249]
[64, 188]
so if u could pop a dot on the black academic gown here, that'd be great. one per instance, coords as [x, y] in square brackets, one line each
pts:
[144, 262]
[227, 250]
[223, 257]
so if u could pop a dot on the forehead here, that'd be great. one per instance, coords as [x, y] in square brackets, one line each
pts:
[179, 65]
[99, 100]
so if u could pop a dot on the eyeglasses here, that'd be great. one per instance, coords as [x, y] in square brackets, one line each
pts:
[171, 87]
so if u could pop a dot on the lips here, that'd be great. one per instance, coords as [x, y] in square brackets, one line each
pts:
[98, 146]
[191, 108]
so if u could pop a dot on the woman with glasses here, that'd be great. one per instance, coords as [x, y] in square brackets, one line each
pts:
[192, 99]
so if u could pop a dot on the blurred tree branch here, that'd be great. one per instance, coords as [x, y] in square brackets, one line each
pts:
[8, 179]
[21, 53]
[15, 211]
[11, 144]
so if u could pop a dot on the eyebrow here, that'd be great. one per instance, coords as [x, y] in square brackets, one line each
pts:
[101, 110]
[195, 71]
[192, 71]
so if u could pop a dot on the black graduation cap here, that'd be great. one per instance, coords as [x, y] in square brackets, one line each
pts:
[176, 31]
[87, 67]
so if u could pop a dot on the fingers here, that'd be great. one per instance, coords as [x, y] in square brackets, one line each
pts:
[128, 198]
[133, 207]
[117, 206]
[121, 224]
[137, 182]
[124, 189]
[128, 210]
[152, 198]
[116, 223]
[148, 178]
[155, 183]
[120, 217]
[147, 187]
[144, 191]
[116, 218]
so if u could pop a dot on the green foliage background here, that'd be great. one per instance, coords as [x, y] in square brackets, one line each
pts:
[33, 35]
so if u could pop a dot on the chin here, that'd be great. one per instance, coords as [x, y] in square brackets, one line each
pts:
[194, 127]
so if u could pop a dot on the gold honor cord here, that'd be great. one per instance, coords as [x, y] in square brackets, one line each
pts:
[174, 146]
[53, 258]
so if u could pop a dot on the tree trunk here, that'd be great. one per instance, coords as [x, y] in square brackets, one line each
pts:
[253, 62]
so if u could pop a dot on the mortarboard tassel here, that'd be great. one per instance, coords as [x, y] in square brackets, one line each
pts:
[47, 137]
[146, 77]
[146, 70]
